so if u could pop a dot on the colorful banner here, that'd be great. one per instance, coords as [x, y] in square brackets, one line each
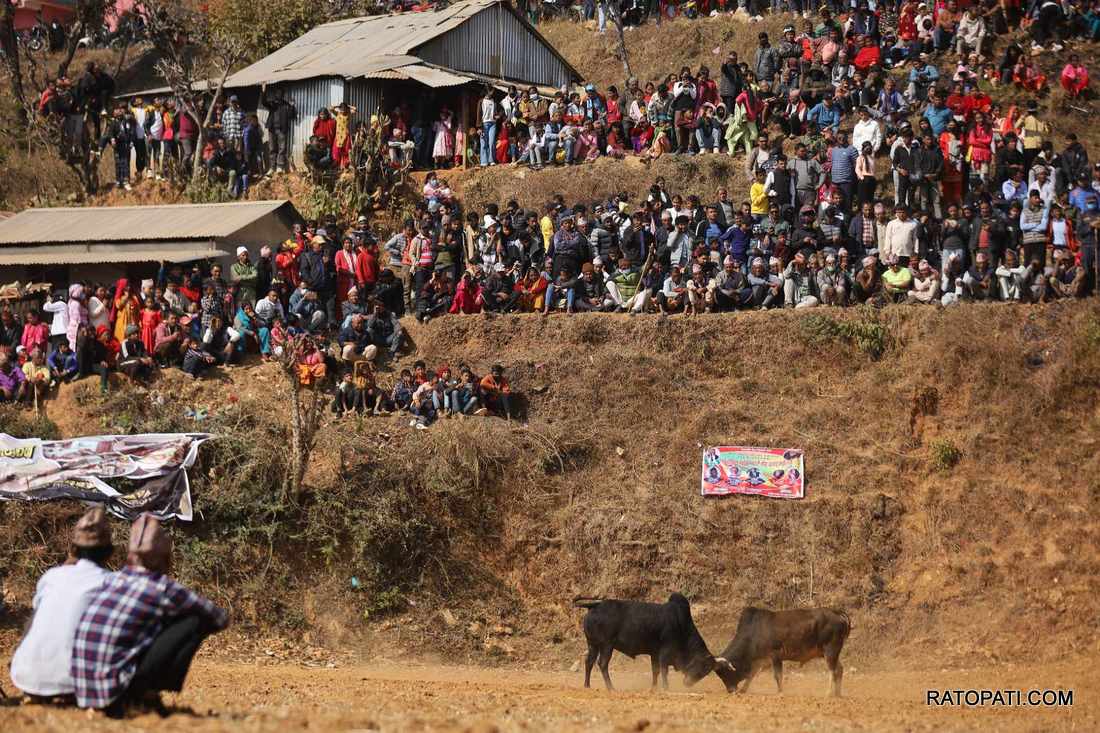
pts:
[773, 472]
[148, 473]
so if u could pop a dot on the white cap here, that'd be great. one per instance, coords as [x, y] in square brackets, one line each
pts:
[242, 250]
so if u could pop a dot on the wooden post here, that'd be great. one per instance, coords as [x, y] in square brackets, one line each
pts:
[462, 120]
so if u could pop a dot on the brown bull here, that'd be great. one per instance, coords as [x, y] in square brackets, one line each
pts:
[784, 636]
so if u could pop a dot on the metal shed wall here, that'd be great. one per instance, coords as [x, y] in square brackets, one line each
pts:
[308, 95]
[365, 95]
[495, 43]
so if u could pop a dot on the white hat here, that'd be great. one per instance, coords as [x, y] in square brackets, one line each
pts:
[488, 221]
[242, 251]
[597, 261]
[147, 283]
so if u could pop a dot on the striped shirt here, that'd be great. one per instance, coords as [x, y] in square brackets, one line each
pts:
[119, 626]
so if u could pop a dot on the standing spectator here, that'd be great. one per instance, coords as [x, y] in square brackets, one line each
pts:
[233, 124]
[487, 116]
[281, 114]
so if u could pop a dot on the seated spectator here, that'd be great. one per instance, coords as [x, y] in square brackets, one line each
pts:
[833, 283]
[979, 282]
[141, 629]
[1011, 277]
[252, 335]
[134, 361]
[220, 341]
[39, 379]
[1067, 280]
[468, 297]
[926, 284]
[310, 362]
[41, 665]
[672, 297]
[496, 393]
[867, 284]
[356, 341]
[62, 364]
[402, 394]
[385, 329]
[561, 293]
[463, 399]
[896, 281]
[1074, 77]
[728, 289]
[799, 284]
[196, 359]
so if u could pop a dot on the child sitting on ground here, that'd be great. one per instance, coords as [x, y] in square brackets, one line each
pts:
[403, 391]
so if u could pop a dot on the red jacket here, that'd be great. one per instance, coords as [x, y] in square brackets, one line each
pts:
[325, 129]
[366, 267]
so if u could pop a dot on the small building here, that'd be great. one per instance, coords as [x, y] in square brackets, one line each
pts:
[102, 244]
[425, 60]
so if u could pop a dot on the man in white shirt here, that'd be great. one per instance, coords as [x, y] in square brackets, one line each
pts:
[40, 666]
[901, 237]
[866, 130]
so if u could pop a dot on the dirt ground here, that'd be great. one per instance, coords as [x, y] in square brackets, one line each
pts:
[229, 696]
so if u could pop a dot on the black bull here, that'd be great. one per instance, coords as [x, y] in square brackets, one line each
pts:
[664, 631]
[778, 636]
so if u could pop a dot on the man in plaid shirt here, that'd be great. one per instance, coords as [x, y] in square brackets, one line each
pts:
[233, 123]
[141, 630]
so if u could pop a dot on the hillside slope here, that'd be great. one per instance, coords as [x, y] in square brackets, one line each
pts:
[951, 504]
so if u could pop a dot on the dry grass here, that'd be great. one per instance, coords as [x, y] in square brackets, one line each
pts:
[656, 52]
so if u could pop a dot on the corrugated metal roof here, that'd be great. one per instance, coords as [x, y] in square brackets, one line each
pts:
[436, 78]
[97, 253]
[355, 47]
[130, 223]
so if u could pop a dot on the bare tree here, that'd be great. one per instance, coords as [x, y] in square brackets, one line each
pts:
[615, 11]
[307, 406]
[90, 14]
[9, 46]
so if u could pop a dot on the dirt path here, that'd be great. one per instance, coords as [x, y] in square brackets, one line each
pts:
[386, 696]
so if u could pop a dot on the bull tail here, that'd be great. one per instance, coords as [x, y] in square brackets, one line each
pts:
[586, 602]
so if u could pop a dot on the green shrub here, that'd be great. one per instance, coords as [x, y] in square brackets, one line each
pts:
[866, 332]
[944, 454]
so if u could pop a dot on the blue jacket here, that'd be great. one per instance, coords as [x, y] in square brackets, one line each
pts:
[938, 117]
[62, 363]
[824, 116]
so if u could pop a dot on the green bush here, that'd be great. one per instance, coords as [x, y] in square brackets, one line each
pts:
[866, 332]
[944, 454]
[25, 424]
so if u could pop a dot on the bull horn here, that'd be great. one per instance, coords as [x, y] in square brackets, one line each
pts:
[723, 662]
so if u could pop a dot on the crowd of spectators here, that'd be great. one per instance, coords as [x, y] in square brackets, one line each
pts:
[881, 171]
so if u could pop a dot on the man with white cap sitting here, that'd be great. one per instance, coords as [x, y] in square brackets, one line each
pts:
[40, 666]
[141, 630]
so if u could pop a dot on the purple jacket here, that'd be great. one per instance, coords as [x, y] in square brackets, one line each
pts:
[11, 380]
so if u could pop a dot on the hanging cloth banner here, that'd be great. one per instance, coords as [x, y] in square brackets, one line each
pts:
[773, 472]
[147, 473]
